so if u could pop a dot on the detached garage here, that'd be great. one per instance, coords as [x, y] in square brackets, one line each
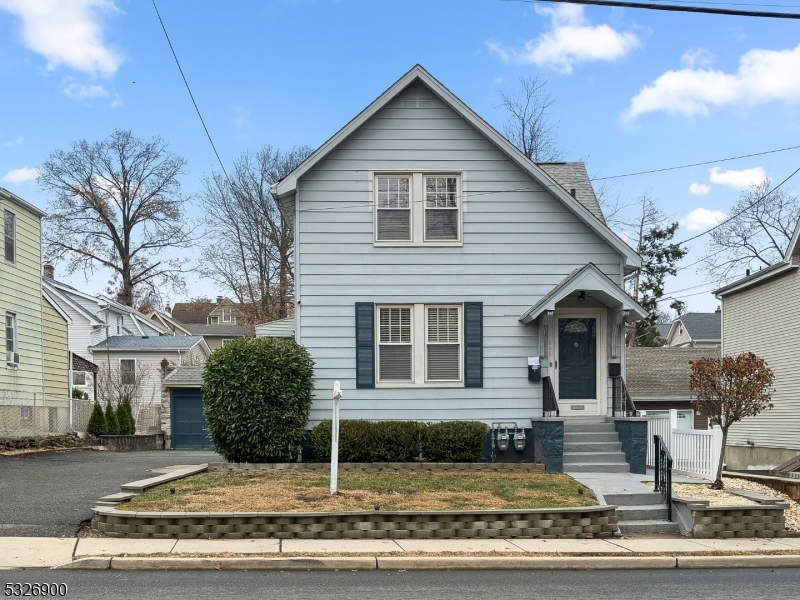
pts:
[187, 424]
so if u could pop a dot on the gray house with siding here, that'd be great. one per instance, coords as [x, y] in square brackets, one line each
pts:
[434, 263]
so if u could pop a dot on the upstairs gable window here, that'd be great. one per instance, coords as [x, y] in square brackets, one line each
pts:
[226, 315]
[10, 236]
[417, 209]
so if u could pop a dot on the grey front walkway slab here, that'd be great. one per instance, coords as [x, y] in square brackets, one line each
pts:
[659, 545]
[569, 546]
[114, 546]
[35, 552]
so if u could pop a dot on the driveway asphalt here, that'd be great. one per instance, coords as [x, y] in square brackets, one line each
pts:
[49, 495]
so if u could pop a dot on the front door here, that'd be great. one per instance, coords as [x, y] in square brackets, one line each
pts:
[577, 366]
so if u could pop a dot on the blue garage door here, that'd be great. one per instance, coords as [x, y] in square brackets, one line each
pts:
[188, 422]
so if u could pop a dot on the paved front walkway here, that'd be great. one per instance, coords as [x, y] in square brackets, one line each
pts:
[625, 483]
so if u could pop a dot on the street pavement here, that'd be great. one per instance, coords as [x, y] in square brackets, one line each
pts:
[724, 584]
[49, 495]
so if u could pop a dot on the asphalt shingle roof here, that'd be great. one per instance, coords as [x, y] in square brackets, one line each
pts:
[217, 330]
[192, 312]
[573, 175]
[662, 372]
[137, 342]
[184, 377]
[703, 326]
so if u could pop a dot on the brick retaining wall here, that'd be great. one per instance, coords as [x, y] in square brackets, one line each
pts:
[581, 522]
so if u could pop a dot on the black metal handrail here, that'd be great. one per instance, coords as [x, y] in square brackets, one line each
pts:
[622, 402]
[549, 399]
[663, 482]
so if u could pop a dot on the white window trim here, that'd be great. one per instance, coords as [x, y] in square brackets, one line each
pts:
[13, 235]
[419, 345]
[15, 339]
[84, 379]
[224, 340]
[230, 315]
[135, 365]
[417, 203]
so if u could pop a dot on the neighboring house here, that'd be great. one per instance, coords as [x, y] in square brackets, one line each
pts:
[182, 416]
[434, 263]
[663, 329]
[278, 328]
[34, 333]
[217, 336]
[760, 315]
[700, 330]
[223, 312]
[142, 361]
[164, 320]
[658, 380]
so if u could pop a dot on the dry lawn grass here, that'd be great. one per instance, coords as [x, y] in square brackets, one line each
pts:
[309, 492]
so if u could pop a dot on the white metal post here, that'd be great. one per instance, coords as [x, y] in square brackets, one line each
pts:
[337, 395]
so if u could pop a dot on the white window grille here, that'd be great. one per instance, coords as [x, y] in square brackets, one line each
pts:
[394, 344]
[394, 209]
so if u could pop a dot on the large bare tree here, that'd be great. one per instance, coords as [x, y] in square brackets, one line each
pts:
[250, 246]
[529, 124]
[117, 203]
[757, 234]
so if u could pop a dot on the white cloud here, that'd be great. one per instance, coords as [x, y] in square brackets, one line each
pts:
[697, 57]
[571, 40]
[82, 91]
[699, 189]
[739, 179]
[68, 32]
[241, 116]
[763, 76]
[17, 141]
[701, 219]
[21, 175]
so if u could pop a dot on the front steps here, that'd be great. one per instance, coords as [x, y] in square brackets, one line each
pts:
[591, 445]
[642, 513]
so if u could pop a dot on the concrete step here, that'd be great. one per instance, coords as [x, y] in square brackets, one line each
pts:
[645, 498]
[593, 457]
[589, 428]
[601, 447]
[642, 512]
[586, 437]
[622, 467]
[649, 527]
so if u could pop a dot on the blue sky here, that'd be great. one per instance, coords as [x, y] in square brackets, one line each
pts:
[636, 90]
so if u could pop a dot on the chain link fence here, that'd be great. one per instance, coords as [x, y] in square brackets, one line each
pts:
[30, 414]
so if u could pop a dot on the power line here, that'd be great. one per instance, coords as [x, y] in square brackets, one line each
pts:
[698, 164]
[188, 89]
[673, 8]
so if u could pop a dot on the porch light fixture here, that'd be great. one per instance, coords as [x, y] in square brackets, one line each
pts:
[582, 296]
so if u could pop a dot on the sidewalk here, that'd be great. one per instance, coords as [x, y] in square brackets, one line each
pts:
[617, 553]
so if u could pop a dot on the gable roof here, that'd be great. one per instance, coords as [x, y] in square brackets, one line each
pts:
[591, 279]
[184, 377]
[187, 313]
[168, 322]
[217, 330]
[161, 342]
[661, 373]
[288, 185]
[57, 291]
[701, 327]
[11, 197]
[573, 176]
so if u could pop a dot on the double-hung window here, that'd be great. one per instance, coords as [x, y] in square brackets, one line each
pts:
[394, 209]
[395, 356]
[11, 338]
[417, 209]
[127, 371]
[10, 236]
[443, 343]
[79, 378]
[226, 315]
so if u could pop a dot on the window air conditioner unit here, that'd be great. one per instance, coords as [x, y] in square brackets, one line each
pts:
[12, 358]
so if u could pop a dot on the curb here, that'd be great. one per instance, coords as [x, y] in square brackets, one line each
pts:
[90, 563]
[578, 563]
[770, 561]
[332, 563]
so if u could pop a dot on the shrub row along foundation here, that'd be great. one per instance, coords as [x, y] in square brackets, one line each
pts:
[378, 467]
[583, 522]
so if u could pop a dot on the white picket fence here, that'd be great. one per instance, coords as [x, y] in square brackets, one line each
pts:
[694, 451]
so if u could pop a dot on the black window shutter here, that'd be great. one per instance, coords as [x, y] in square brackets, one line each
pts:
[473, 344]
[365, 345]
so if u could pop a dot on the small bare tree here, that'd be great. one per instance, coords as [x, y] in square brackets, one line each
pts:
[117, 203]
[116, 383]
[250, 253]
[529, 125]
[756, 238]
[729, 389]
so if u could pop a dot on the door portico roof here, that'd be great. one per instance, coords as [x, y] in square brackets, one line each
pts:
[595, 283]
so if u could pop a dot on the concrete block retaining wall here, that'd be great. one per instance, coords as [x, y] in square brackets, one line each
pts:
[707, 522]
[133, 443]
[582, 522]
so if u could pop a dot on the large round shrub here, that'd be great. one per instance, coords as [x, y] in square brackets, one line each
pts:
[256, 398]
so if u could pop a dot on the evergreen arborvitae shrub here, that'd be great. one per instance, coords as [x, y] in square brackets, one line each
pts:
[111, 419]
[127, 402]
[454, 441]
[97, 422]
[257, 397]
[124, 417]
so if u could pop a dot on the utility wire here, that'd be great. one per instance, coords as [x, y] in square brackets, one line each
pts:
[188, 89]
[673, 8]
[699, 164]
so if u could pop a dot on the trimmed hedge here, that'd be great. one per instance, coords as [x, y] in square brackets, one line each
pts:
[400, 441]
[257, 397]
